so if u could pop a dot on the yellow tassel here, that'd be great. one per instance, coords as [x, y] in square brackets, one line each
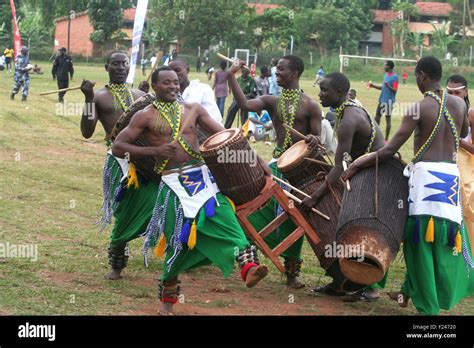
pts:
[458, 242]
[132, 176]
[429, 237]
[192, 236]
[160, 248]
[232, 204]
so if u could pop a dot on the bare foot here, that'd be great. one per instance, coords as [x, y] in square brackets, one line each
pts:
[399, 297]
[114, 274]
[293, 282]
[255, 274]
[166, 308]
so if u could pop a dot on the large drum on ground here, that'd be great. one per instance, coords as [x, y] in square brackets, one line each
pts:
[234, 165]
[295, 168]
[372, 219]
[308, 177]
[146, 165]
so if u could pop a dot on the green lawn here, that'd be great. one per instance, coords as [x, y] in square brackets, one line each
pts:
[50, 193]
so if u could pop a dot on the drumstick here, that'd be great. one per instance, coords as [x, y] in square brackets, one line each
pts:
[345, 159]
[295, 132]
[298, 134]
[300, 192]
[232, 61]
[344, 166]
[61, 90]
[289, 195]
[318, 162]
[158, 58]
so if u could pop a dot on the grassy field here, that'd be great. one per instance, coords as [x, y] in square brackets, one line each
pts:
[50, 194]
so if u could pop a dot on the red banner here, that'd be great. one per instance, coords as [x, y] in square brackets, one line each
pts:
[16, 31]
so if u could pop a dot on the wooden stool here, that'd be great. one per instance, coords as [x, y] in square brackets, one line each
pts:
[273, 190]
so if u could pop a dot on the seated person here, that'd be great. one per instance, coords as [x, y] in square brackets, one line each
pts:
[328, 140]
[260, 127]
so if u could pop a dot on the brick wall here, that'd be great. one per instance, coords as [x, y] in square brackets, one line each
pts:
[81, 29]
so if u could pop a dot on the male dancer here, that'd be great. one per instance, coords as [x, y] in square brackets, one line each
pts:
[436, 247]
[130, 204]
[296, 109]
[192, 221]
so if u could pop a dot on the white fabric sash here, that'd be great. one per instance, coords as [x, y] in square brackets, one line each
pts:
[194, 187]
[434, 190]
[124, 165]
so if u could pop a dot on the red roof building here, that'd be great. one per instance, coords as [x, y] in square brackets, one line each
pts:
[261, 8]
[81, 29]
[429, 14]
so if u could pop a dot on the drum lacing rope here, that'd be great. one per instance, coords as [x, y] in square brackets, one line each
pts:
[324, 176]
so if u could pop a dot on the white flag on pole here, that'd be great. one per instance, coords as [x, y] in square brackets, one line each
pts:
[140, 15]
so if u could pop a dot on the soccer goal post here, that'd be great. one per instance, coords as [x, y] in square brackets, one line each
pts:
[344, 60]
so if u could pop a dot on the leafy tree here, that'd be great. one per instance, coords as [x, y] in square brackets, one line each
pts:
[200, 23]
[399, 27]
[335, 23]
[106, 17]
[442, 40]
[276, 27]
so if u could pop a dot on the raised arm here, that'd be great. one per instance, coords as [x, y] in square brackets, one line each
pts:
[257, 105]
[125, 141]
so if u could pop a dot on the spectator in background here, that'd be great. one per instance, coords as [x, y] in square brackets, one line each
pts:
[253, 69]
[248, 86]
[352, 95]
[404, 77]
[210, 71]
[263, 85]
[62, 68]
[153, 60]
[144, 62]
[198, 64]
[260, 127]
[21, 75]
[387, 96]
[274, 88]
[221, 87]
[319, 76]
[2, 62]
[8, 58]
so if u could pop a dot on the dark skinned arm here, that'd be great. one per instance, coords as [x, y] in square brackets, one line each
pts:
[208, 124]
[345, 135]
[124, 143]
[89, 115]
[407, 127]
[244, 104]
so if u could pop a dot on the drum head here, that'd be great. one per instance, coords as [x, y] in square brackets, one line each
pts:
[293, 156]
[219, 139]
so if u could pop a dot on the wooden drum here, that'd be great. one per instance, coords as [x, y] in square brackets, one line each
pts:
[234, 165]
[372, 219]
[295, 168]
